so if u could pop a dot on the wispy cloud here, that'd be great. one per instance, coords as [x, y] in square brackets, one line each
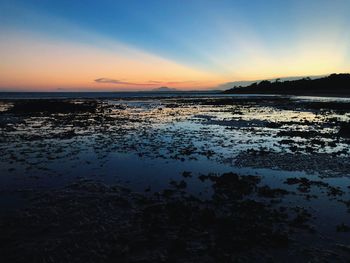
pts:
[148, 83]
[115, 81]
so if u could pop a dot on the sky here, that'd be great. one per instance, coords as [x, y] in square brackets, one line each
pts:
[112, 45]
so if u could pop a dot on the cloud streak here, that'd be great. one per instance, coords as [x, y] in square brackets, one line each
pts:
[148, 83]
[115, 81]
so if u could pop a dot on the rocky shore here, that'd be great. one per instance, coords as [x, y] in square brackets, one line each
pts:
[216, 179]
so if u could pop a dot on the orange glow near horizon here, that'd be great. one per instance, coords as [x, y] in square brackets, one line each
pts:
[34, 63]
[66, 46]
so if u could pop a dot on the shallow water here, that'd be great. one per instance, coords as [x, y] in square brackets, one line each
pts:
[145, 144]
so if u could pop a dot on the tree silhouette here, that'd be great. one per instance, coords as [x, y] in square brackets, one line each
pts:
[333, 85]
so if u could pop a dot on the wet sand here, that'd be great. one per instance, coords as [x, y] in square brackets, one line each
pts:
[186, 179]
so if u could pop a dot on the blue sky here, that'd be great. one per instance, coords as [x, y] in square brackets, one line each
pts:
[233, 40]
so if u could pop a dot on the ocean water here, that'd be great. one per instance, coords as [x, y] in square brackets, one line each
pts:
[103, 95]
[145, 141]
[153, 95]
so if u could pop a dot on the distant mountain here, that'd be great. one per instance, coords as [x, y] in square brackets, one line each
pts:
[333, 85]
[164, 89]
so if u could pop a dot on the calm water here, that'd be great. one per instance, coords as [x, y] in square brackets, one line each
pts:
[146, 140]
[152, 95]
[106, 95]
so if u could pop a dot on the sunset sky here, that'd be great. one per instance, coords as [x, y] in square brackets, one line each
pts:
[66, 45]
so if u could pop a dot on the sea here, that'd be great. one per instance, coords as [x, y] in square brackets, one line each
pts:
[150, 95]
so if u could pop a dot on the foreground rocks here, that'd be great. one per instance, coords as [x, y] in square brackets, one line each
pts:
[324, 164]
[91, 222]
[47, 145]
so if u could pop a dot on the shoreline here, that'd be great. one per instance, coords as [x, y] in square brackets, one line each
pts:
[203, 178]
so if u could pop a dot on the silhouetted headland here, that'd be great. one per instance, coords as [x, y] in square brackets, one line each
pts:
[333, 85]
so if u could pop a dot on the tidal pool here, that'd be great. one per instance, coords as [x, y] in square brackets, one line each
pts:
[280, 163]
